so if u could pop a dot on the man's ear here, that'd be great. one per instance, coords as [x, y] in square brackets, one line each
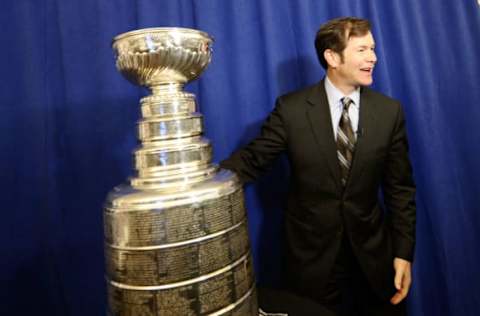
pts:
[332, 58]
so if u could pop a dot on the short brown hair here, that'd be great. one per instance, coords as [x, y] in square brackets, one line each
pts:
[335, 34]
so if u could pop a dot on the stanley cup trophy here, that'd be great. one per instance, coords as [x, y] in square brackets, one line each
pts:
[176, 240]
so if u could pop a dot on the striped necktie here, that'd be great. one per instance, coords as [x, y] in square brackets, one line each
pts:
[345, 141]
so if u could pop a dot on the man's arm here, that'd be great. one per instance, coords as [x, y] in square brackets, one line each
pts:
[399, 192]
[399, 195]
[254, 159]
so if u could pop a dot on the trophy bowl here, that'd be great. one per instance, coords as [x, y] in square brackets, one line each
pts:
[163, 55]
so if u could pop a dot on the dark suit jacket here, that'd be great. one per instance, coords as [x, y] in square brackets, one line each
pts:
[319, 211]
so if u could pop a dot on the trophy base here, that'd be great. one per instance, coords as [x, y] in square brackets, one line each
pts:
[179, 252]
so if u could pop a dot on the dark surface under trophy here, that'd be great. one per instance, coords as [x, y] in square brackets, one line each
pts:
[176, 239]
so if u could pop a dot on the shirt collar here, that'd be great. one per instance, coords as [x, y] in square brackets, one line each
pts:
[334, 95]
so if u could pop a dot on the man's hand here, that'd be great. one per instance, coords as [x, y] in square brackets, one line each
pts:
[403, 279]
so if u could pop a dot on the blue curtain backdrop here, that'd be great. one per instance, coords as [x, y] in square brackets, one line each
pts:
[67, 124]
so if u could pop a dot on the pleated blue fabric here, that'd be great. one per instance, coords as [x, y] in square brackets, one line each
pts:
[68, 120]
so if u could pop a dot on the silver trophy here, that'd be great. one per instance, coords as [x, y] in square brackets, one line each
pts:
[176, 239]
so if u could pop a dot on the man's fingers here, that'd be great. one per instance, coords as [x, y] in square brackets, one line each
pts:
[395, 299]
[399, 275]
[407, 281]
[403, 290]
[399, 296]
[402, 280]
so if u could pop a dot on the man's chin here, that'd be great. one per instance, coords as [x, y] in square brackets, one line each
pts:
[366, 83]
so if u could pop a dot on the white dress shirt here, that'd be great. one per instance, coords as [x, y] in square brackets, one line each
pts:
[336, 107]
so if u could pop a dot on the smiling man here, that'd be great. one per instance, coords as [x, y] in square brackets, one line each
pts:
[346, 247]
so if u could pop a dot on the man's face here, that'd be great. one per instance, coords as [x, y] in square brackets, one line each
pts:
[356, 67]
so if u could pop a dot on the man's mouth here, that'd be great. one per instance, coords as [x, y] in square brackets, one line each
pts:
[367, 69]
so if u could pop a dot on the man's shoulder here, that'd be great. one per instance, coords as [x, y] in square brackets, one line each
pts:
[299, 96]
[383, 105]
[378, 97]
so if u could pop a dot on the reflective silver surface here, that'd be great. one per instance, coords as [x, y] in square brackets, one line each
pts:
[162, 55]
[176, 237]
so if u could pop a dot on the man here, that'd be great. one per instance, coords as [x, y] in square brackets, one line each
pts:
[344, 143]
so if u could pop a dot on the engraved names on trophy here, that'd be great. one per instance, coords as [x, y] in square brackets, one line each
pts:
[164, 226]
[178, 263]
[200, 298]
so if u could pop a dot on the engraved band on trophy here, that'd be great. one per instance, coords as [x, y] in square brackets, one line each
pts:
[176, 239]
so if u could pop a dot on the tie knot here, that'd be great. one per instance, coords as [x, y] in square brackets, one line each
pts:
[346, 101]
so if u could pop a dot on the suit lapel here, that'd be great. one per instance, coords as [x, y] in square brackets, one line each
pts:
[320, 121]
[366, 125]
